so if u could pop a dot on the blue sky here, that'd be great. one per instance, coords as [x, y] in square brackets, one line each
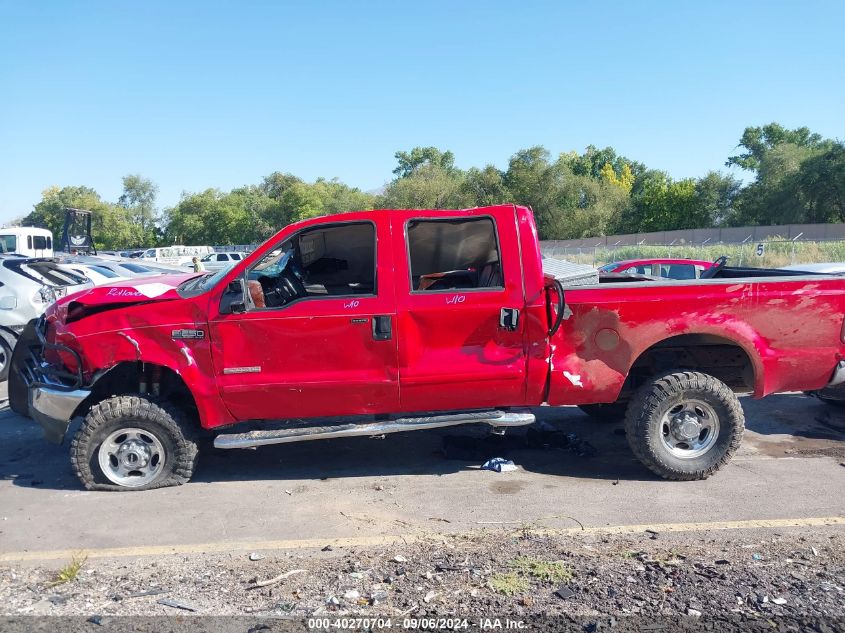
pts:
[220, 94]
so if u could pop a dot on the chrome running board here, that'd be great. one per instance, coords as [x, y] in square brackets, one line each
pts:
[300, 433]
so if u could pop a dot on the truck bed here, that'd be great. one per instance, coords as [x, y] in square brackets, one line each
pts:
[759, 335]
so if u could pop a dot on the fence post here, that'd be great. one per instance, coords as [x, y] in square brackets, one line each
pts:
[792, 260]
[742, 249]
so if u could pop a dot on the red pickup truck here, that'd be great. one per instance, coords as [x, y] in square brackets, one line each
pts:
[383, 321]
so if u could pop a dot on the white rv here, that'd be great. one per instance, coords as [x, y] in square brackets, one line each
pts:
[26, 240]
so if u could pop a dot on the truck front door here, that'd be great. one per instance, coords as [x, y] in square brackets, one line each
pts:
[460, 306]
[318, 337]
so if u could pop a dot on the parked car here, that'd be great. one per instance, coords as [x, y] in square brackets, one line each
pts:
[97, 273]
[667, 268]
[217, 261]
[408, 320]
[27, 287]
[107, 270]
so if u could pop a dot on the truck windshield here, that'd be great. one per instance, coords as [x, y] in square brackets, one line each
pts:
[203, 283]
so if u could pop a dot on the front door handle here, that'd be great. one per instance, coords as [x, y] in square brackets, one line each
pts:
[382, 328]
[509, 319]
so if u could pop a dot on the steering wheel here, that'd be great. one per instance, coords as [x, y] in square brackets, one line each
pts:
[292, 284]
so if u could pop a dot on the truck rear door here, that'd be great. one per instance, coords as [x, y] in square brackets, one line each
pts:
[460, 305]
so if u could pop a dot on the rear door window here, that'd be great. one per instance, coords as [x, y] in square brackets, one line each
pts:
[454, 254]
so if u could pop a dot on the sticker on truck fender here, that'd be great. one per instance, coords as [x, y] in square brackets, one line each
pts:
[241, 370]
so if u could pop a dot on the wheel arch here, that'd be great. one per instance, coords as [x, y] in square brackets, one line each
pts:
[734, 360]
[138, 377]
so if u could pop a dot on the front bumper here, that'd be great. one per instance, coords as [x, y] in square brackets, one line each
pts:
[53, 409]
[40, 391]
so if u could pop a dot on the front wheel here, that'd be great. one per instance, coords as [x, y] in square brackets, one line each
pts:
[133, 443]
[684, 425]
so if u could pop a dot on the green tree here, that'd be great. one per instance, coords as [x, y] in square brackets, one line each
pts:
[210, 217]
[111, 228]
[659, 203]
[428, 187]
[138, 199]
[759, 141]
[419, 157]
[486, 186]
[275, 184]
[338, 197]
[716, 196]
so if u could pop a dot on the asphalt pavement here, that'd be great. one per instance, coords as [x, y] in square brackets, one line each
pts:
[791, 468]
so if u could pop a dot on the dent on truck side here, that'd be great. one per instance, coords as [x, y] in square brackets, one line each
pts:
[789, 330]
[144, 334]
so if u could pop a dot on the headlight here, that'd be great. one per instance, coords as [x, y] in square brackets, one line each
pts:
[45, 294]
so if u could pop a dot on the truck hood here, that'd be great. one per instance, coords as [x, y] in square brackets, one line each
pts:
[138, 290]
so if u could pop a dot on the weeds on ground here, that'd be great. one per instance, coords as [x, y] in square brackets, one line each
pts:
[556, 571]
[69, 572]
[508, 584]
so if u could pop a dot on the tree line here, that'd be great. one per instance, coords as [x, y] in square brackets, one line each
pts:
[795, 176]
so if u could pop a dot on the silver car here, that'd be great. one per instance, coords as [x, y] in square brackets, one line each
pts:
[27, 286]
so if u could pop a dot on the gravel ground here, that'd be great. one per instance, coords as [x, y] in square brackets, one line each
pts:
[787, 578]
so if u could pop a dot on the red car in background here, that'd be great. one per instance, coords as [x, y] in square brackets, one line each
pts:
[668, 268]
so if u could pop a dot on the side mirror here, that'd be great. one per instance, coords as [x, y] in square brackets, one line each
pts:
[233, 300]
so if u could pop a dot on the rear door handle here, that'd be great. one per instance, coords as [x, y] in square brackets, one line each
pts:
[382, 328]
[509, 319]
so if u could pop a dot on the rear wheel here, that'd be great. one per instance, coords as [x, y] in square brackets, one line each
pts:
[133, 443]
[685, 425]
[610, 412]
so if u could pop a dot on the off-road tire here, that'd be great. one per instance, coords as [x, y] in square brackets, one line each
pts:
[164, 420]
[644, 429]
[610, 412]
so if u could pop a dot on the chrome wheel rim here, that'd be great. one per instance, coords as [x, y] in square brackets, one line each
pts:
[689, 428]
[131, 457]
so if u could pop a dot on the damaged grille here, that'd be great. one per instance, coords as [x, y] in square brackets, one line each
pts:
[38, 350]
